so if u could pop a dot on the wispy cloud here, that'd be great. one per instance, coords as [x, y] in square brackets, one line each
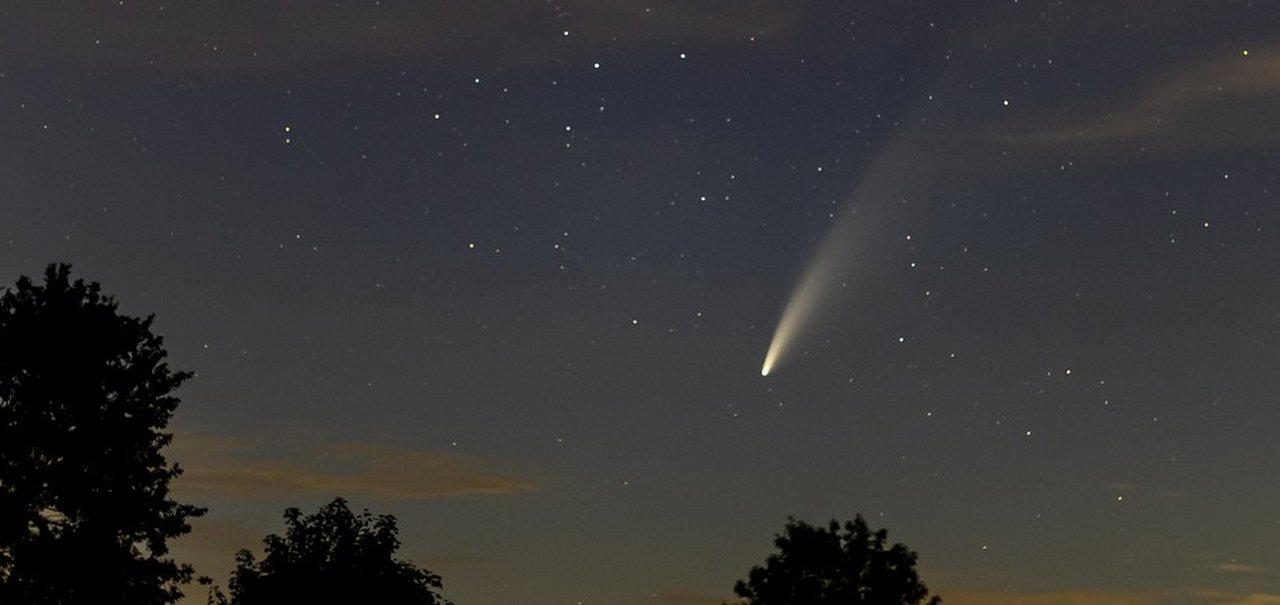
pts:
[1089, 597]
[1227, 101]
[1224, 102]
[1074, 597]
[1251, 599]
[246, 468]
[1239, 568]
[272, 34]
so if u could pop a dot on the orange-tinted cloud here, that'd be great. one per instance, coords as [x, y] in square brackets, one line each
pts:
[1250, 599]
[1086, 597]
[242, 468]
[1239, 568]
[1074, 597]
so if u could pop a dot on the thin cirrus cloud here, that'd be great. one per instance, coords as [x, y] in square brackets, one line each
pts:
[1255, 598]
[1076, 597]
[1220, 103]
[1085, 597]
[1239, 568]
[270, 35]
[238, 468]
[1227, 101]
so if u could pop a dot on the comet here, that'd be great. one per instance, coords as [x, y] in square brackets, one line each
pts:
[816, 286]
[847, 253]
[891, 199]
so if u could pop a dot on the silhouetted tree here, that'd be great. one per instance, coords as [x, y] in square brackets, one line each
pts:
[333, 556]
[85, 513]
[831, 566]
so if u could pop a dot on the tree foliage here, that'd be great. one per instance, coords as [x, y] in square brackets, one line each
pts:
[835, 566]
[85, 395]
[332, 556]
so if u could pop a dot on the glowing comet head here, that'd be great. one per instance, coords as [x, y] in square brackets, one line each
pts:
[771, 358]
[799, 311]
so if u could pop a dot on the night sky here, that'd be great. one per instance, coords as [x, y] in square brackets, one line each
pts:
[509, 270]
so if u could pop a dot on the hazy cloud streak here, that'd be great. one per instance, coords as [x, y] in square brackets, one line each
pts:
[239, 468]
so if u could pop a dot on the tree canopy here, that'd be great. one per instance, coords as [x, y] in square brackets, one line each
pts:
[85, 396]
[835, 566]
[332, 556]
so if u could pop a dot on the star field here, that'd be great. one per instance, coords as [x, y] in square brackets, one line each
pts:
[509, 271]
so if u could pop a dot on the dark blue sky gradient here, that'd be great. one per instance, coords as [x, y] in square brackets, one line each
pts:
[430, 257]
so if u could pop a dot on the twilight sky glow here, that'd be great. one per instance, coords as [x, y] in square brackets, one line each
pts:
[508, 270]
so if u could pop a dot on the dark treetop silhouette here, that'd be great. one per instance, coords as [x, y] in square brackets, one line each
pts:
[85, 513]
[831, 566]
[332, 556]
